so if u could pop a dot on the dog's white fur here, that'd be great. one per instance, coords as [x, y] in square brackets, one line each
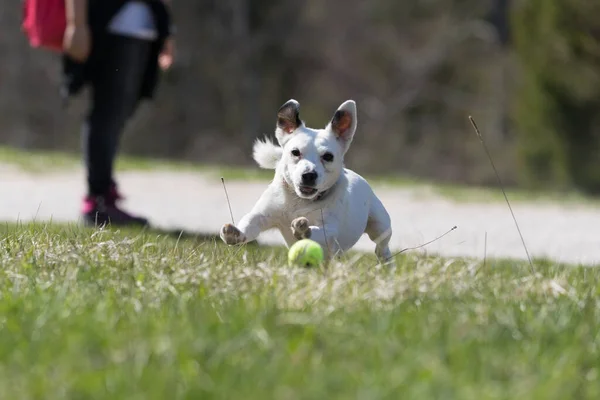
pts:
[334, 210]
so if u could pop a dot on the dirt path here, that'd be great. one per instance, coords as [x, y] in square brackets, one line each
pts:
[196, 202]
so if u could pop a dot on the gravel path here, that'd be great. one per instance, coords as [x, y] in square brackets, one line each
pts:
[196, 202]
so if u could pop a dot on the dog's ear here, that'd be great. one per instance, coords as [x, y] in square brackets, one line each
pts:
[288, 117]
[343, 123]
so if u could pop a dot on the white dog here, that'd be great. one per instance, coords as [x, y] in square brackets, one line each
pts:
[313, 195]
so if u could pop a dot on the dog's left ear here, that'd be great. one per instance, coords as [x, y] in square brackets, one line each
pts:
[288, 116]
[343, 123]
[288, 120]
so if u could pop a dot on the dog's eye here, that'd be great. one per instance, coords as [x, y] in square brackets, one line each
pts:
[328, 157]
[296, 153]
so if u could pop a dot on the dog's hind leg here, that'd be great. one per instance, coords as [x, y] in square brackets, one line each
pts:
[379, 230]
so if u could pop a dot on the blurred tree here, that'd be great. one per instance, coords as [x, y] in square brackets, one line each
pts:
[499, 17]
[556, 114]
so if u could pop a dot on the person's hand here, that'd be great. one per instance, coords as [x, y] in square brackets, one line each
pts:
[167, 55]
[77, 41]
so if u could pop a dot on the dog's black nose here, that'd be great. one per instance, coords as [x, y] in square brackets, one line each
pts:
[309, 178]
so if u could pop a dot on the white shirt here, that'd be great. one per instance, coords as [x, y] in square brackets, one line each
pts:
[135, 20]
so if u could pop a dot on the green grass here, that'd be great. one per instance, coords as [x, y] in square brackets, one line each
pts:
[38, 161]
[53, 161]
[141, 315]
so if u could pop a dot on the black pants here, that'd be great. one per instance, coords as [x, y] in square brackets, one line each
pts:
[114, 98]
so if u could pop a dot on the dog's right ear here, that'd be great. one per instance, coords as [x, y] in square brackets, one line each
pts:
[288, 118]
[343, 123]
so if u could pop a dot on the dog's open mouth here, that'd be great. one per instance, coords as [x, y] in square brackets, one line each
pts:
[307, 190]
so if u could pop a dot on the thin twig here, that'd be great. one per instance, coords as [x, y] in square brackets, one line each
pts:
[228, 203]
[503, 191]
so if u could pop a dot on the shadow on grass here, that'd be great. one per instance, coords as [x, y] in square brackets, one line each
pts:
[193, 236]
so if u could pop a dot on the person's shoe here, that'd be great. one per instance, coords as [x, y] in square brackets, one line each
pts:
[103, 210]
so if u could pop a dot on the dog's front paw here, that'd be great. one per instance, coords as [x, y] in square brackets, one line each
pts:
[232, 235]
[301, 228]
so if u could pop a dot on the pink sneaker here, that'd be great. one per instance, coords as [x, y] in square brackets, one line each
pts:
[103, 210]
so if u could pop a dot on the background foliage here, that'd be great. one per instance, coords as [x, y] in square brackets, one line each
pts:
[526, 70]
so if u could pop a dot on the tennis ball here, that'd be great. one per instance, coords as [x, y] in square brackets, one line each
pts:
[305, 253]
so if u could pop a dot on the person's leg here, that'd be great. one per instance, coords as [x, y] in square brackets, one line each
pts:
[114, 97]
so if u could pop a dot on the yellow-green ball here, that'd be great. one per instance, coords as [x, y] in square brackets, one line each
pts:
[305, 253]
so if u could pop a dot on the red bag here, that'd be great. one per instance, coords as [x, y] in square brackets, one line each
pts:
[44, 23]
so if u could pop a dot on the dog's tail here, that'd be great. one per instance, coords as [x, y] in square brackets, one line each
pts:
[266, 153]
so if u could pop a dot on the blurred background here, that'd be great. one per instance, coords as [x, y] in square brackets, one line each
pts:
[528, 71]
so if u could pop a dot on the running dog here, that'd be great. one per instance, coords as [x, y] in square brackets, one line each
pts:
[313, 196]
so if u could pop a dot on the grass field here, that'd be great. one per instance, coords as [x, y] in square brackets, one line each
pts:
[139, 315]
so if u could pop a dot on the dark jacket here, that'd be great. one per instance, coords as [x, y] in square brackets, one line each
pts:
[76, 75]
